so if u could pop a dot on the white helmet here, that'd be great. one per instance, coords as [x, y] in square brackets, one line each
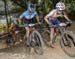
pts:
[60, 6]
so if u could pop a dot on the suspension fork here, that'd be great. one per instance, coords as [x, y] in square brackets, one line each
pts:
[62, 31]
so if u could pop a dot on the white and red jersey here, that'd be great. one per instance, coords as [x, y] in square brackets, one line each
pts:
[53, 14]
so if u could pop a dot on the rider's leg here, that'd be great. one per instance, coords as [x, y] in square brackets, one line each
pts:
[27, 32]
[14, 36]
[20, 39]
[51, 36]
[27, 35]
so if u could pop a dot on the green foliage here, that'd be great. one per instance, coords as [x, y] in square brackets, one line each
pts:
[41, 5]
[70, 8]
[3, 28]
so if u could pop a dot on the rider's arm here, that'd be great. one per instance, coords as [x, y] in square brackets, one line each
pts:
[66, 17]
[37, 17]
[49, 15]
[46, 19]
[11, 25]
[20, 18]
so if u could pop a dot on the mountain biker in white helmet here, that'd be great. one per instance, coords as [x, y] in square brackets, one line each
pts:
[52, 18]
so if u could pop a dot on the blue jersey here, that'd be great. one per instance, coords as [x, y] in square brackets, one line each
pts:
[28, 15]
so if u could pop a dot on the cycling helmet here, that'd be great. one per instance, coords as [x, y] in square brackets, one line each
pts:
[60, 6]
[31, 8]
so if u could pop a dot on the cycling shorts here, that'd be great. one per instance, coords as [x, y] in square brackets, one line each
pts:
[54, 22]
[28, 21]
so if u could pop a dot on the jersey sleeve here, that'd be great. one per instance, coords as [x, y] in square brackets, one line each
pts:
[36, 13]
[22, 15]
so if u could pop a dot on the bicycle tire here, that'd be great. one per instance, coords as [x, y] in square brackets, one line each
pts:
[46, 37]
[66, 34]
[9, 40]
[27, 49]
[37, 48]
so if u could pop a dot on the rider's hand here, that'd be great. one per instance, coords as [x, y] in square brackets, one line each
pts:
[69, 23]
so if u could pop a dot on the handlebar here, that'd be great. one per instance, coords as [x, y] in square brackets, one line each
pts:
[66, 24]
[30, 25]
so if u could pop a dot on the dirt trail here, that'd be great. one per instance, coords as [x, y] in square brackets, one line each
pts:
[18, 52]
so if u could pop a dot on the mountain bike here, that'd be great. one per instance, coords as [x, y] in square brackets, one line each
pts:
[67, 38]
[35, 39]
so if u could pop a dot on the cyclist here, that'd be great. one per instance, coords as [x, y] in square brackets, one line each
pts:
[13, 29]
[29, 16]
[52, 18]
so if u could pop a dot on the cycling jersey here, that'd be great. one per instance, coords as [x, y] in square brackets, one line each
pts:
[53, 14]
[27, 15]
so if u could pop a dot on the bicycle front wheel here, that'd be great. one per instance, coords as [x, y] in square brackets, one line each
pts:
[36, 42]
[27, 48]
[69, 49]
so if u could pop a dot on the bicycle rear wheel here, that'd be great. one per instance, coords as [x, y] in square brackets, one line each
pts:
[9, 40]
[46, 37]
[69, 49]
[36, 42]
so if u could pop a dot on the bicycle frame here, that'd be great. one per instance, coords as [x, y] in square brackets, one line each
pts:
[59, 30]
